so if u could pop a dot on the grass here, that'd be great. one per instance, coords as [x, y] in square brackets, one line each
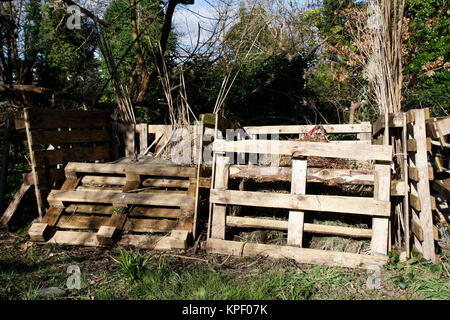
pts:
[117, 273]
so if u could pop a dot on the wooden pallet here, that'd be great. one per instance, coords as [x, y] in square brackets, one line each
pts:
[143, 205]
[56, 137]
[298, 201]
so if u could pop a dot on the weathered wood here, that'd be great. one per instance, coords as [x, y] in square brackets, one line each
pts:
[398, 188]
[258, 223]
[143, 137]
[14, 204]
[417, 230]
[167, 198]
[174, 241]
[55, 137]
[319, 175]
[50, 119]
[73, 168]
[53, 213]
[219, 210]
[38, 232]
[395, 121]
[130, 143]
[382, 192]
[4, 162]
[103, 180]
[204, 182]
[303, 149]
[415, 202]
[133, 181]
[62, 156]
[39, 203]
[412, 147]
[134, 225]
[155, 212]
[351, 205]
[300, 255]
[302, 129]
[423, 188]
[442, 187]
[296, 218]
[167, 183]
[109, 232]
[413, 174]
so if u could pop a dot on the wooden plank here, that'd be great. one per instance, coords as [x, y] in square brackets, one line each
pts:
[155, 212]
[303, 149]
[186, 220]
[150, 212]
[143, 137]
[50, 119]
[81, 222]
[319, 175]
[152, 225]
[219, 210]
[91, 209]
[167, 183]
[382, 192]
[302, 129]
[103, 180]
[73, 168]
[14, 204]
[423, 188]
[75, 238]
[55, 137]
[300, 255]
[62, 156]
[133, 225]
[153, 242]
[167, 198]
[39, 203]
[130, 143]
[351, 205]
[258, 223]
[296, 218]
[47, 176]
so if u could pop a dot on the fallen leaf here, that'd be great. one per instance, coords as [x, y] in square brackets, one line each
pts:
[24, 246]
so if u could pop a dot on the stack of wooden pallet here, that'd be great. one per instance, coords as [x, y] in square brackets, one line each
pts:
[422, 145]
[149, 205]
[223, 197]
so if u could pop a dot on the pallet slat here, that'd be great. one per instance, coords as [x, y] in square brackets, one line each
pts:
[310, 149]
[301, 255]
[168, 198]
[355, 205]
